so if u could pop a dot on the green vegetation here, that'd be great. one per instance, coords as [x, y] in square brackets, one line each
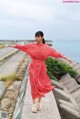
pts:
[56, 69]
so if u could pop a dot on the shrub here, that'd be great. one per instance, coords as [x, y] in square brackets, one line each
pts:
[56, 69]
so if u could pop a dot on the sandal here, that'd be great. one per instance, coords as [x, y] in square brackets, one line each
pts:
[39, 106]
[34, 108]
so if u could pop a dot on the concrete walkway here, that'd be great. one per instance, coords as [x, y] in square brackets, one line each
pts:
[49, 111]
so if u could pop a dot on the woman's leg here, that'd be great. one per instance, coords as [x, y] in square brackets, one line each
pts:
[39, 106]
[36, 104]
[34, 101]
[39, 100]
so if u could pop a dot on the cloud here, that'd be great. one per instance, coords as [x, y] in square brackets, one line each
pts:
[20, 10]
[21, 17]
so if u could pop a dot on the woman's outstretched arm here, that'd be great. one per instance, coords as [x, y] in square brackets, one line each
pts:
[56, 54]
[25, 47]
[64, 57]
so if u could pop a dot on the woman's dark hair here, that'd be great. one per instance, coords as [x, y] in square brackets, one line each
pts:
[40, 33]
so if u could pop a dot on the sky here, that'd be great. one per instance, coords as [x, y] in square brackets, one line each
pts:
[20, 19]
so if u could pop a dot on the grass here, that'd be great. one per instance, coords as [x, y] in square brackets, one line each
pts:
[9, 79]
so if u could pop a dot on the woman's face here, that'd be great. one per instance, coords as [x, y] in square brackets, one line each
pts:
[38, 39]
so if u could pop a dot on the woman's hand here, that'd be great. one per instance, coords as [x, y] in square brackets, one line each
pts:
[70, 61]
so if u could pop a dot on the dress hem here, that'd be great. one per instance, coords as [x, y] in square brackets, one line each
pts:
[45, 93]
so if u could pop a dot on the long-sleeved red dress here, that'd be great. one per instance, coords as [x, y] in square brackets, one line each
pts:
[39, 79]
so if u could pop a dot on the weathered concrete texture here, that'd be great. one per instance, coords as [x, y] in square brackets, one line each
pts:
[10, 66]
[68, 99]
[6, 51]
[74, 65]
[49, 111]
[2, 88]
[69, 84]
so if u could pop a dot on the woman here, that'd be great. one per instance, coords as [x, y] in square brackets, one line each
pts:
[39, 80]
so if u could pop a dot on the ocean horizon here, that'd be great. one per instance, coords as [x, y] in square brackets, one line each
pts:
[70, 48]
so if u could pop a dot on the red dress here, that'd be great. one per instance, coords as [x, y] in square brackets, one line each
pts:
[39, 79]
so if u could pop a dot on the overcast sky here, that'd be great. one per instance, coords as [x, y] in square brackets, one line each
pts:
[20, 19]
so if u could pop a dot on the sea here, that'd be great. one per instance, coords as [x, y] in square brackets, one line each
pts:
[70, 48]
